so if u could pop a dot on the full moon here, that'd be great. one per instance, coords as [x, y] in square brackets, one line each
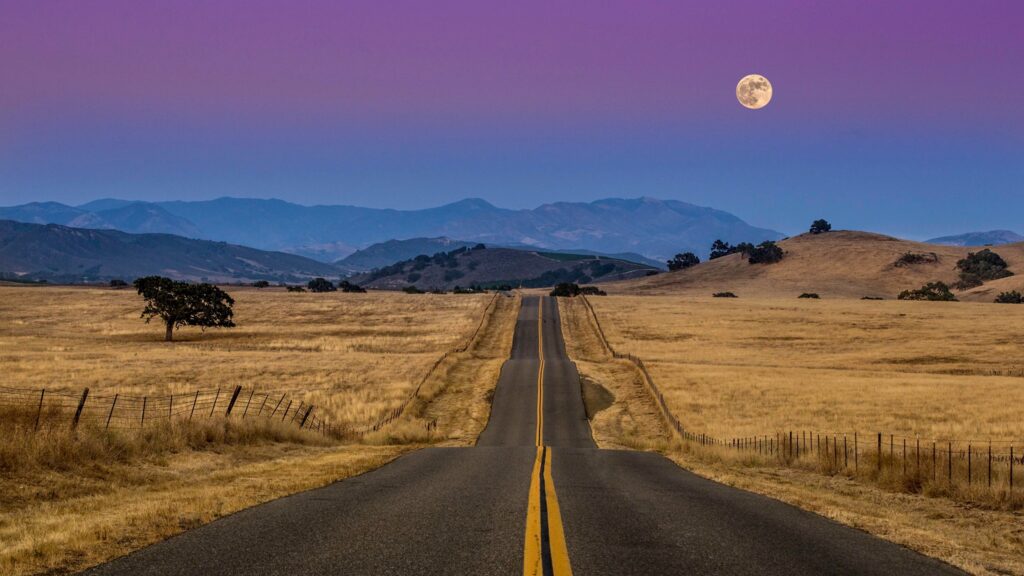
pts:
[754, 91]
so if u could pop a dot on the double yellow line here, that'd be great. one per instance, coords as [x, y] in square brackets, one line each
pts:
[542, 484]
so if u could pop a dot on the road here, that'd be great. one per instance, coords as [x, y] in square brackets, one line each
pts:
[534, 495]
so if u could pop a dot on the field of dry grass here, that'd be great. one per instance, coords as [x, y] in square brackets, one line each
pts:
[754, 366]
[353, 356]
[70, 499]
[743, 367]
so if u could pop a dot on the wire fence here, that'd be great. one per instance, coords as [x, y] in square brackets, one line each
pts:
[967, 469]
[48, 408]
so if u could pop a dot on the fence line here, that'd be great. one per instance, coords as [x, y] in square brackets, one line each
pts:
[911, 460]
[52, 408]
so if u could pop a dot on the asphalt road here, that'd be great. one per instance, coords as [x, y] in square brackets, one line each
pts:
[474, 510]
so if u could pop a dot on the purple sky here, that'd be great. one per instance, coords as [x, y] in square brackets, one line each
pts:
[903, 117]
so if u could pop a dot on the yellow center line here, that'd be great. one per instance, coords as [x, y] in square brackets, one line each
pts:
[533, 550]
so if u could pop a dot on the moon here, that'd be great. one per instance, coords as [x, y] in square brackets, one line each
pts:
[754, 91]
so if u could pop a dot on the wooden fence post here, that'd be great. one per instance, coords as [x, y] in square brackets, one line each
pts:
[81, 405]
[39, 411]
[856, 456]
[969, 451]
[285, 415]
[170, 407]
[143, 424]
[904, 457]
[306, 417]
[299, 409]
[263, 404]
[879, 451]
[194, 401]
[215, 397]
[990, 464]
[277, 406]
[111, 414]
[846, 455]
[949, 453]
[234, 397]
[935, 463]
[1011, 474]
[249, 401]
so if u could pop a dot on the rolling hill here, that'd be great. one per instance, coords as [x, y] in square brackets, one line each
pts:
[650, 227]
[63, 254]
[841, 264]
[498, 266]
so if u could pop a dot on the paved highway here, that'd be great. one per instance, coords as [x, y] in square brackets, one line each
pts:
[534, 496]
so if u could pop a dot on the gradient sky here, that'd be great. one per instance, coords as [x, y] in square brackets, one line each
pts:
[902, 117]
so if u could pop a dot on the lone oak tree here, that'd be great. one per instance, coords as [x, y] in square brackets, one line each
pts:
[184, 304]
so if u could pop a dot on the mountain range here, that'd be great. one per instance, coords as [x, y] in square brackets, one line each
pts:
[990, 238]
[650, 227]
[63, 254]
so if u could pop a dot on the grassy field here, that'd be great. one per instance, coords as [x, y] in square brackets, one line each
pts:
[742, 367]
[755, 366]
[70, 499]
[353, 356]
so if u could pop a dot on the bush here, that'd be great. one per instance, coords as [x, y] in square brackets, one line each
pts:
[1011, 297]
[934, 291]
[320, 285]
[347, 286]
[980, 267]
[872, 298]
[912, 258]
[724, 295]
[118, 283]
[683, 261]
[592, 291]
[566, 290]
[412, 290]
[766, 252]
[296, 289]
[813, 295]
[719, 249]
[820, 226]
[260, 284]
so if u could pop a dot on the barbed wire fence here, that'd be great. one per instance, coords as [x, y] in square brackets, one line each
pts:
[963, 468]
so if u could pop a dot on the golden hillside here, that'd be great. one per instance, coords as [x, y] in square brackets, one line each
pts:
[841, 264]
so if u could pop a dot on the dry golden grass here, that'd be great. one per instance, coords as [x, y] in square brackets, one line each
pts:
[353, 356]
[70, 499]
[743, 367]
[842, 264]
[746, 367]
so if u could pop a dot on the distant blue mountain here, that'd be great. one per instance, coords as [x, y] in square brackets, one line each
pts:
[646, 226]
[990, 238]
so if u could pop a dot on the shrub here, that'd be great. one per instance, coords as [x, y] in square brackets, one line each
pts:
[813, 295]
[260, 284]
[652, 273]
[566, 290]
[118, 283]
[321, 285]
[980, 267]
[724, 295]
[912, 258]
[592, 291]
[935, 291]
[683, 261]
[872, 298]
[296, 289]
[766, 252]
[820, 226]
[347, 286]
[1011, 297]
[412, 290]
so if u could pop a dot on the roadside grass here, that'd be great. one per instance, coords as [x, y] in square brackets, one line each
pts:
[71, 498]
[673, 332]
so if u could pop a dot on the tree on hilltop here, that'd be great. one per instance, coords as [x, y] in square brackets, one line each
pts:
[820, 226]
[683, 261]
